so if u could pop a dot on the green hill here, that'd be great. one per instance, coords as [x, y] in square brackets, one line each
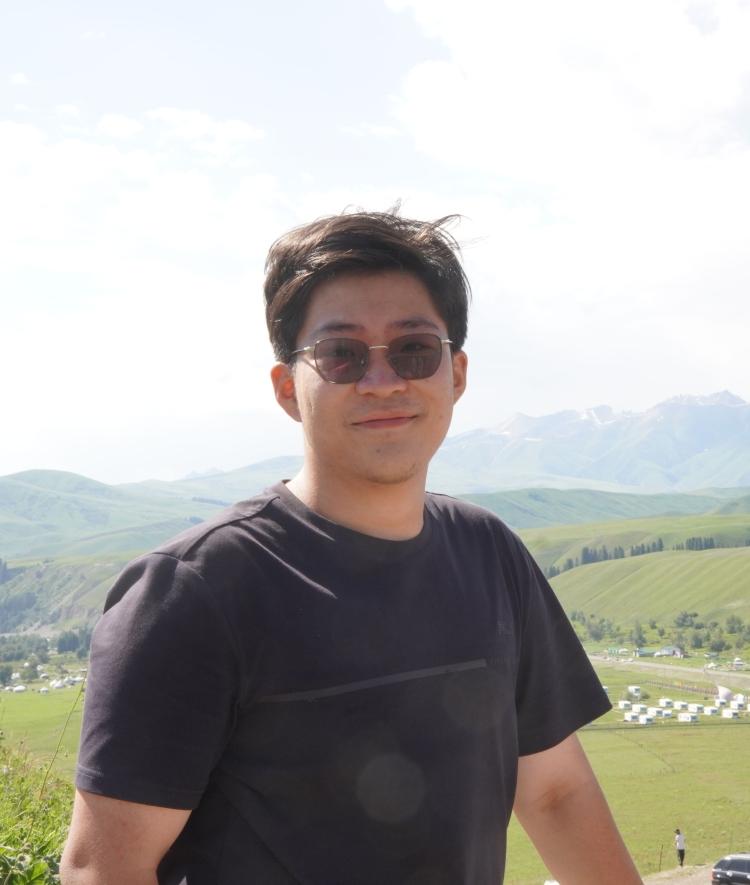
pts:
[531, 508]
[715, 583]
[552, 546]
[56, 594]
[42, 512]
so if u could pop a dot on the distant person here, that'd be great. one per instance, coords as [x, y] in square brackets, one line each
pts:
[343, 679]
[679, 844]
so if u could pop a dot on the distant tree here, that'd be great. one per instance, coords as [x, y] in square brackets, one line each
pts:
[684, 619]
[6, 671]
[696, 639]
[637, 636]
[67, 641]
[734, 624]
[718, 644]
[661, 631]
[652, 624]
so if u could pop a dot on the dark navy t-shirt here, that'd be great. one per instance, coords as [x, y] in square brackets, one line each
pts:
[336, 709]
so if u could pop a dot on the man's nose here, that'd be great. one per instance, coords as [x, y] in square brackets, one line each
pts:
[380, 377]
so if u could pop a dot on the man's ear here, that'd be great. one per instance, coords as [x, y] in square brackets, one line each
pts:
[282, 378]
[460, 364]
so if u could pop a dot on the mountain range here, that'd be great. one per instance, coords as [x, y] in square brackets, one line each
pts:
[682, 444]
[675, 449]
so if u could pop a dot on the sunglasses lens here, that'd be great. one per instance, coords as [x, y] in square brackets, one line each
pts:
[341, 360]
[345, 360]
[415, 356]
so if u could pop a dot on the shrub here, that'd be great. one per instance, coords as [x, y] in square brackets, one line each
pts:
[34, 813]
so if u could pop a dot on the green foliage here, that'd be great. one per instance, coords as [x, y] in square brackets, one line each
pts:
[734, 624]
[20, 648]
[34, 813]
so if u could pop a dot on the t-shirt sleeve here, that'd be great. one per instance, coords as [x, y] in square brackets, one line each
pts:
[161, 690]
[557, 690]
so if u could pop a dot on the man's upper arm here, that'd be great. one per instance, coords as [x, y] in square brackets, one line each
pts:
[113, 842]
[562, 808]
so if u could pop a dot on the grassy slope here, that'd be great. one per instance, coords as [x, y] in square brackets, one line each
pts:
[69, 591]
[715, 583]
[42, 512]
[555, 544]
[531, 508]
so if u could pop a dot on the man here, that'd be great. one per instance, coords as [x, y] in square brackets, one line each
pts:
[343, 680]
[679, 844]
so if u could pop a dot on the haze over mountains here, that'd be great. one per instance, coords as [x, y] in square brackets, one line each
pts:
[678, 471]
[685, 444]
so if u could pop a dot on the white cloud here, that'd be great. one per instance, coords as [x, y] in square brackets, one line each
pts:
[216, 139]
[19, 79]
[371, 130]
[118, 126]
[68, 110]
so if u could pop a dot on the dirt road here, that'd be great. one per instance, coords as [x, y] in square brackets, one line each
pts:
[696, 875]
[738, 677]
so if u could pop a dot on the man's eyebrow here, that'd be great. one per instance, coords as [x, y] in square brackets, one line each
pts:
[342, 326]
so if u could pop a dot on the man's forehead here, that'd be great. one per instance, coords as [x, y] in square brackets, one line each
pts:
[342, 326]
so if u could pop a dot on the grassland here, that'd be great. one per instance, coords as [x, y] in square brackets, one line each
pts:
[552, 546]
[660, 777]
[39, 723]
[715, 583]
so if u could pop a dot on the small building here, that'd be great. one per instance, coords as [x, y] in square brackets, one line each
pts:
[655, 712]
[19, 688]
[710, 711]
[687, 717]
[645, 719]
[695, 708]
[726, 713]
[665, 702]
[623, 705]
[639, 708]
[634, 690]
[720, 702]
[736, 705]
[680, 705]
[670, 651]
[630, 717]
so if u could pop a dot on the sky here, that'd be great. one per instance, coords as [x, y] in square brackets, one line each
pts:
[598, 152]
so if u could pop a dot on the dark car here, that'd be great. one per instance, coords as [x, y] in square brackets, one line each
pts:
[732, 868]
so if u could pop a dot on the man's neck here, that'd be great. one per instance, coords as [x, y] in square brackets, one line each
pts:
[394, 511]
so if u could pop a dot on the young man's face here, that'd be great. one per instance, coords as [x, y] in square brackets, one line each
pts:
[382, 428]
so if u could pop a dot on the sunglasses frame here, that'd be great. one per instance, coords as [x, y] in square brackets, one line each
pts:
[312, 348]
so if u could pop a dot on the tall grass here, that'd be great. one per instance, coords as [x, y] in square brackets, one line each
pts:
[34, 813]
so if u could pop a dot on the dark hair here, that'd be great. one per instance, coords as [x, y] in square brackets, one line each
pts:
[362, 242]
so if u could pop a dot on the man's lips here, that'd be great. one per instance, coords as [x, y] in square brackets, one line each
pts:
[383, 421]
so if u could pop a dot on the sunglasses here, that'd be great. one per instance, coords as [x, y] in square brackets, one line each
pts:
[345, 360]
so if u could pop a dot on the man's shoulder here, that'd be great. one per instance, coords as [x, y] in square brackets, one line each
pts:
[461, 513]
[221, 532]
[447, 505]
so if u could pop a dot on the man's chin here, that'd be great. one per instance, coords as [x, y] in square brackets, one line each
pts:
[391, 474]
